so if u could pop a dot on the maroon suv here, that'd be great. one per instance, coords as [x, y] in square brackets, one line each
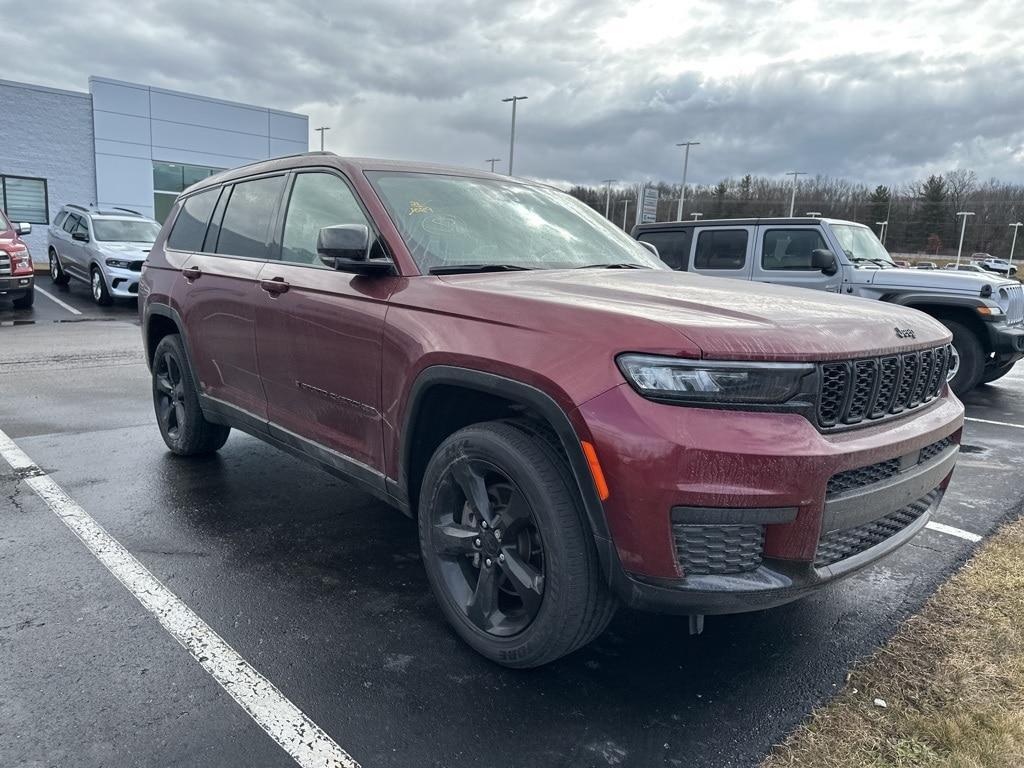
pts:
[572, 424]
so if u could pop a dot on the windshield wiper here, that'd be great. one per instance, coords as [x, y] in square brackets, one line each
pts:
[614, 265]
[456, 269]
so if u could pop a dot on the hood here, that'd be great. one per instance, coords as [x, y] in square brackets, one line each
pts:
[133, 251]
[725, 319]
[935, 279]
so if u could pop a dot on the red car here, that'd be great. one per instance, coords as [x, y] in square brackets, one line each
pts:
[572, 424]
[17, 281]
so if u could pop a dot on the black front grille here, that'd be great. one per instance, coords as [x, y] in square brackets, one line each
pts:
[136, 266]
[857, 390]
[718, 549]
[839, 545]
[851, 479]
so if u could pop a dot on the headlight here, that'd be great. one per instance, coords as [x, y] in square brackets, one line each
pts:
[711, 381]
[121, 263]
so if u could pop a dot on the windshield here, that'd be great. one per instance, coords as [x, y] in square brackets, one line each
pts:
[125, 230]
[4, 223]
[861, 246]
[452, 221]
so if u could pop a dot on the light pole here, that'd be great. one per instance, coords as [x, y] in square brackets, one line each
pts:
[625, 210]
[696, 215]
[792, 199]
[608, 196]
[963, 228]
[322, 129]
[1013, 243]
[512, 139]
[686, 162]
[492, 161]
[881, 232]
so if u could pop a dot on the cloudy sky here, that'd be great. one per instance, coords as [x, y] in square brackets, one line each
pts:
[876, 92]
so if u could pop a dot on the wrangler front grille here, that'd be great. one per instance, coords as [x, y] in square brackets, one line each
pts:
[852, 391]
[1015, 313]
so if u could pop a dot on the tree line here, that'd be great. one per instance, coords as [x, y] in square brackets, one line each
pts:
[922, 214]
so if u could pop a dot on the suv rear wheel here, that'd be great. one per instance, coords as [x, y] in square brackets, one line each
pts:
[185, 431]
[506, 548]
[98, 284]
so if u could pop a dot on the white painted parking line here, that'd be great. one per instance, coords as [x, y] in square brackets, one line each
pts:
[285, 723]
[55, 300]
[949, 529]
[997, 423]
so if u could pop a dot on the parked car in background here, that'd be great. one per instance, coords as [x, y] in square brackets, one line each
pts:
[904, 264]
[17, 281]
[965, 268]
[104, 248]
[572, 424]
[985, 313]
[926, 265]
[999, 266]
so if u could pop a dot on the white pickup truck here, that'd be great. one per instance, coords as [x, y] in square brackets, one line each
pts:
[984, 312]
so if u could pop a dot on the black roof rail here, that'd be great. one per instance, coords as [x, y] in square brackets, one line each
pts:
[127, 210]
[76, 207]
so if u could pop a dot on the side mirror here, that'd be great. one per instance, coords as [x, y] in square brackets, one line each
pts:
[81, 237]
[825, 260]
[24, 228]
[650, 247]
[346, 247]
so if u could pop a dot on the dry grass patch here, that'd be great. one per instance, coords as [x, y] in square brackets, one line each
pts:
[952, 679]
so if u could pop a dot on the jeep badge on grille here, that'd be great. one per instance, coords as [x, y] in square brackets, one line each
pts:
[905, 333]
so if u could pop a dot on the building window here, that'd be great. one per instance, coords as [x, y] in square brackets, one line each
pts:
[25, 199]
[169, 179]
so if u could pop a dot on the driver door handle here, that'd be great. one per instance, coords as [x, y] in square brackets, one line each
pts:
[274, 287]
[192, 273]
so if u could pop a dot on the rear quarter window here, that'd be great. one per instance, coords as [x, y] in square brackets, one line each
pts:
[190, 226]
[673, 247]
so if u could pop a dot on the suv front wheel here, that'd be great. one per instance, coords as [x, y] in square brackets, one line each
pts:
[98, 284]
[506, 548]
[184, 428]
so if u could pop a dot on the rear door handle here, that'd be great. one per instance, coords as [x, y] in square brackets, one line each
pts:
[274, 287]
[192, 273]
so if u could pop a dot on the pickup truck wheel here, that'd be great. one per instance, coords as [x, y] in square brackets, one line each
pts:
[57, 275]
[27, 300]
[185, 431]
[506, 548]
[968, 358]
[996, 372]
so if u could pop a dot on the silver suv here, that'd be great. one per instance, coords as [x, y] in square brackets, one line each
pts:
[104, 248]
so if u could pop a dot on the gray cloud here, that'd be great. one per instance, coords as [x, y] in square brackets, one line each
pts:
[877, 93]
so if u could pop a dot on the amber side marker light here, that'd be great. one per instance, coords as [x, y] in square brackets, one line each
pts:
[595, 469]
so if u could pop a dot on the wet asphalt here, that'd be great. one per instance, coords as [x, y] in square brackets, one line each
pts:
[320, 588]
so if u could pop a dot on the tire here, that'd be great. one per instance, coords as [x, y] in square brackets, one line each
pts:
[57, 274]
[971, 358]
[996, 372]
[184, 429]
[538, 613]
[98, 288]
[27, 300]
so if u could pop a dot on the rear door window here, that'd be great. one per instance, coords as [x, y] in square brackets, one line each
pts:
[190, 225]
[673, 247]
[248, 219]
[721, 249]
[790, 249]
[70, 223]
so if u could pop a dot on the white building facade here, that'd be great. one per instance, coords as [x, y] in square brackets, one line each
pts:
[124, 145]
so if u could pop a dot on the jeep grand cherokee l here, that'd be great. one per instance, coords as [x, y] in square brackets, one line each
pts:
[572, 424]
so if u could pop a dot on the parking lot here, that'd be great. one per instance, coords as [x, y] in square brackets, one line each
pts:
[320, 589]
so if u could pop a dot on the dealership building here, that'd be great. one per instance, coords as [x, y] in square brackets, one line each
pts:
[124, 145]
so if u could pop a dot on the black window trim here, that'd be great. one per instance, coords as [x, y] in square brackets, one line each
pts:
[686, 232]
[46, 196]
[278, 238]
[766, 229]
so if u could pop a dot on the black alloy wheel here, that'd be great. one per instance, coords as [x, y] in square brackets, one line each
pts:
[490, 550]
[170, 394]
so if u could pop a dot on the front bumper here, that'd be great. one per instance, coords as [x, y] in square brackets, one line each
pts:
[1007, 341]
[122, 283]
[762, 477]
[13, 287]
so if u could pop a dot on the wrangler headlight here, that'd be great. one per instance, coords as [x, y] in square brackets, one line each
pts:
[712, 381]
